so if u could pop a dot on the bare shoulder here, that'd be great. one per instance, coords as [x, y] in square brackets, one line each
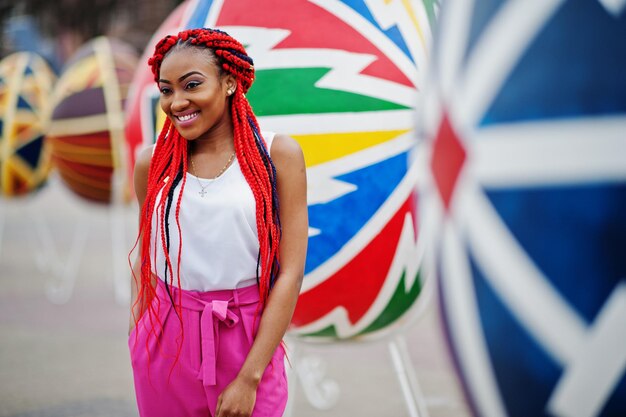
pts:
[143, 158]
[142, 167]
[286, 152]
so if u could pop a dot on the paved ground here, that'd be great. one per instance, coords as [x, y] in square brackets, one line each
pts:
[71, 360]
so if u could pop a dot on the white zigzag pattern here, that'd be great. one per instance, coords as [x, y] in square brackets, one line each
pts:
[396, 12]
[379, 39]
[344, 75]
[345, 67]
[405, 260]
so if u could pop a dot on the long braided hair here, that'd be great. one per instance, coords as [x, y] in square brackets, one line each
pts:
[169, 165]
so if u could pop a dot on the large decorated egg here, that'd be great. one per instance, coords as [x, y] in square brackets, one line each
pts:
[26, 82]
[526, 120]
[144, 117]
[87, 128]
[342, 78]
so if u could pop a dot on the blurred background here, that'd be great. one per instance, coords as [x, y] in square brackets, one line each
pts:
[56, 30]
[65, 231]
[466, 162]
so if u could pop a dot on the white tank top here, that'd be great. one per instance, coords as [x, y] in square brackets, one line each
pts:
[219, 233]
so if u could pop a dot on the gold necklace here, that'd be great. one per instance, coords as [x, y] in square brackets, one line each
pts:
[203, 188]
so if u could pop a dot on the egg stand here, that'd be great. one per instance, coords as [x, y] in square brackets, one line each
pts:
[47, 259]
[119, 246]
[323, 393]
[1, 225]
[60, 292]
[63, 273]
[60, 287]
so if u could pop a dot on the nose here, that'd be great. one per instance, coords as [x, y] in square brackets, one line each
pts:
[179, 102]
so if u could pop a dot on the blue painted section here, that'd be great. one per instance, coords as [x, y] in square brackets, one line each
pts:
[199, 15]
[393, 33]
[575, 235]
[616, 404]
[31, 152]
[525, 374]
[339, 220]
[23, 104]
[574, 67]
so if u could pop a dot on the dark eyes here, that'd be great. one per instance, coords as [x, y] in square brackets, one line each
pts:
[189, 86]
[192, 84]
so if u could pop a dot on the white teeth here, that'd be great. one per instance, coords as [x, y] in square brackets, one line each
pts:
[187, 117]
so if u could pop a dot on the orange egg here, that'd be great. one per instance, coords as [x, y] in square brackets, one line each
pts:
[87, 127]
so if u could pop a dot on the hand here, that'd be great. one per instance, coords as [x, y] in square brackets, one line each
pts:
[237, 400]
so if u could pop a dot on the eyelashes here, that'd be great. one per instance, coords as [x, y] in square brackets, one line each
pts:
[192, 84]
[188, 86]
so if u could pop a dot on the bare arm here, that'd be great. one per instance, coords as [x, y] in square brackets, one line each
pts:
[291, 183]
[142, 166]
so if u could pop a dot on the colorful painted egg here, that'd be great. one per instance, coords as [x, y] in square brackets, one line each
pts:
[26, 83]
[526, 120]
[87, 128]
[342, 79]
[144, 117]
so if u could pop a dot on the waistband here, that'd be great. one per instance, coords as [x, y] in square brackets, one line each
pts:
[195, 300]
[213, 306]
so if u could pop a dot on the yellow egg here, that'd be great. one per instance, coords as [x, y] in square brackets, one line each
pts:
[26, 81]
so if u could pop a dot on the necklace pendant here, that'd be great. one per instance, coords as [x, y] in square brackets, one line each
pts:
[202, 193]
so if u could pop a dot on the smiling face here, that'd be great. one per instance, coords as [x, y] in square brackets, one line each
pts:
[194, 95]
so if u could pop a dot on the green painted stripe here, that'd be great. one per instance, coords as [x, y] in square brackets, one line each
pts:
[329, 331]
[293, 91]
[399, 303]
[429, 5]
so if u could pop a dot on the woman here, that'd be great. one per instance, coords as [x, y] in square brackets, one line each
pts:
[222, 240]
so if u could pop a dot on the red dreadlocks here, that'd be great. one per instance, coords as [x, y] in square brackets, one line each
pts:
[169, 164]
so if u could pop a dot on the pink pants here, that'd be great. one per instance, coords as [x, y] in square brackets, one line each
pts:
[218, 334]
